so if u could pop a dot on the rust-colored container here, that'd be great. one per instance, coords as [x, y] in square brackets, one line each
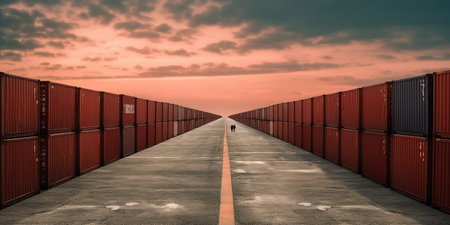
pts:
[141, 137]
[19, 169]
[271, 128]
[376, 110]
[332, 110]
[128, 110]
[409, 166]
[318, 110]
[57, 107]
[165, 131]
[128, 140]
[110, 145]
[170, 113]
[280, 112]
[151, 111]
[275, 112]
[170, 130]
[291, 133]
[159, 112]
[285, 112]
[332, 144]
[175, 128]
[110, 109]
[298, 134]
[151, 133]
[88, 102]
[298, 111]
[441, 104]
[351, 109]
[57, 158]
[317, 140]
[291, 107]
[88, 151]
[141, 111]
[307, 137]
[175, 113]
[441, 174]
[280, 130]
[165, 115]
[307, 111]
[285, 131]
[374, 156]
[20, 106]
[349, 154]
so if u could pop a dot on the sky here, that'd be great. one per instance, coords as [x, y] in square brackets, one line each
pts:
[223, 56]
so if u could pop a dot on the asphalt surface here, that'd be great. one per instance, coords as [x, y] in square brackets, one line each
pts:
[179, 182]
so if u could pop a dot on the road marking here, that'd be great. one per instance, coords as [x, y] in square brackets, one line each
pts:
[226, 212]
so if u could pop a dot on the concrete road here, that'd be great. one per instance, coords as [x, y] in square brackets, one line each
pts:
[179, 182]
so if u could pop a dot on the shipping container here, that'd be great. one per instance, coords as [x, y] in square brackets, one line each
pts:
[285, 131]
[442, 104]
[88, 151]
[375, 110]
[151, 133]
[317, 140]
[151, 111]
[128, 110]
[159, 112]
[291, 133]
[412, 106]
[165, 131]
[298, 111]
[307, 137]
[441, 174]
[88, 103]
[298, 135]
[307, 111]
[57, 107]
[271, 128]
[128, 140]
[159, 133]
[141, 137]
[285, 112]
[19, 169]
[280, 130]
[165, 115]
[332, 110]
[275, 112]
[110, 145]
[409, 166]
[280, 112]
[291, 106]
[170, 115]
[170, 130]
[175, 113]
[332, 143]
[175, 128]
[271, 113]
[180, 113]
[318, 110]
[351, 109]
[110, 109]
[20, 106]
[57, 158]
[349, 154]
[141, 111]
[375, 156]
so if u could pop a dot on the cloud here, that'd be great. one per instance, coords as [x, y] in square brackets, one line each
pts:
[433, 57]
[11, 56]
[183, 35]
[164, 28]
[220, 47]
[99, 13]
[385, 56]
[99, 59]
[45, 54]
[180, 52]
[180, 9]
[130, 26]
[57, 44]
[143, 51]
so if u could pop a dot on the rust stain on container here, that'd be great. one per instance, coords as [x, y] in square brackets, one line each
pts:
[20, 169]
[409, 166]
[349, 154]
[332, 144]
[318, 110]
[442, 104]
[375, 109]
[151, 111]
[88, 151]
[307, 111]
[88, 109]
[351, 108]
[128, 140]
[151, 132]
[291, 133]
[317, 140]
[441, 174]
[307, 137]
[110, 145]
[374, 156]
[332, 110]
[57, 107]
[141, 111]
[128, 110]
[20, 108]
[141, 137]
[110, 109]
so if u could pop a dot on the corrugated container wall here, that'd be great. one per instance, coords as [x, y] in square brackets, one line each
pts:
[307, 111]
[332, 110]
[88, 151]
[307, 137]
[128, 140]
[20, 106]
[332, 139]
[110, 109]
[110, 142]
[170, 115]
[441, 174]
[298, 135]
[159, 112]
[175, 112]
[412, 106]
[151, 134]
[57, 107]
[375, 111]
[349, 154]
[128, 110]
[151, 111]
[298, 111]
[165, 112]
[141, 137]
[318, 110]
[351, 108]
[442, 104]
[317, 140]
[374, 156]
[285, 112]
[141, 111]
[275, 112]
[291, 112]
[280, 112]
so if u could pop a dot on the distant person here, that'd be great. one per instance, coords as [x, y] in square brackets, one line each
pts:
[233, 127]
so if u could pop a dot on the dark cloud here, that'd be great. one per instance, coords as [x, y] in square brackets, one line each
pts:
[180, 52]
[44, 64]
[164, 28]
[130, 26]
[11, 56]
[143, 51]
[99, 13]
[45, 54]
[99, 59]
[327, 57]
[183, 35]
[149, 34]
[433, 57]
[57, 44]
[220, 47]
[387, 57]
[179, 9]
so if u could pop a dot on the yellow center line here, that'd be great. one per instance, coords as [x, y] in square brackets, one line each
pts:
[226, 214]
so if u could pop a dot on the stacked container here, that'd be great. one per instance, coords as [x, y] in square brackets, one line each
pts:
[298, 126]
[141, 124]
[351, 124]
[332, 127]
[110, 127]
[318, 117]
[307, 124]
[291, 123]
[127, 125]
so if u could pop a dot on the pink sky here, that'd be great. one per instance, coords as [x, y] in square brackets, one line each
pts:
[199, 54]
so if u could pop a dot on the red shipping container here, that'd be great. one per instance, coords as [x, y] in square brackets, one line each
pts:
[175, 128]
[88, 151]
[307, 137]
[20, 169]
[285, 131]
[58, 161]
[307, 111]
[165, 115]
[285, 112]
[298, 134]
[291, 112]
[165, 131]
[280, 112]
[151, 134]
[332, 144]
[332, 109]
[88, 109]
[175, 113]
[57, 107]
[318, 110]
[128, 110]
[375, 111]
[374, 156]
[442, 104]
[128, 140]
[317, 140]
[441, 174]
[170, 113]
[280, 130]
[141, 137]
[159, 112]
[170, 135]
[298, 111]
[291, 133]
[275, 112]
[110, 109]
[409, 166]
[141, 111]
[20, 106]
[349, 154]
[272, 128]
[351, 108]
[110, 142]
[151, 111]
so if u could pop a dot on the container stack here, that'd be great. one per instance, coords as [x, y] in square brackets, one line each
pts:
[110, 127]
[127, 125]
[307, 124]
[175, 120]
[165, 125]
[170, 132]
[332, 127]
[291, 123]
[141, 124]
[298, 125]
[151, 126]
[58, 133]
[285, 108]
[19, 138]
[318, 116]
[351, 125]
[159, 123]
[280, 121]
